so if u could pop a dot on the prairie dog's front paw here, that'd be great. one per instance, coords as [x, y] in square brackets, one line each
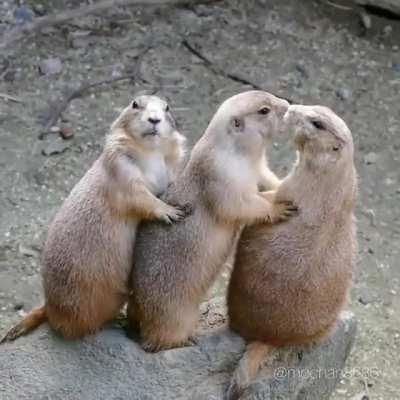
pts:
[282, 211]
[171, 214]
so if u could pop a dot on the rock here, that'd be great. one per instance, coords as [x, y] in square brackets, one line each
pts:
[111, 366]
[365, 19]
[23, 14]
[56, 146]
[370, 158]
[18, 306]
[66, 132]
[396, 67]
[343, 93]
[28, 251]
[365, 297]
[389, 5]
[50, 66]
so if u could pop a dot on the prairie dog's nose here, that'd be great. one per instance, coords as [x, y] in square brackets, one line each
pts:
[154, 120]
[283, 108]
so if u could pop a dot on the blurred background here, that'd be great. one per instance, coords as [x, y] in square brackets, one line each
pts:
[62, 86]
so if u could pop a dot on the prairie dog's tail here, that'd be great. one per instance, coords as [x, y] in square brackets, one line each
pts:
[248, 367]
[30, 322]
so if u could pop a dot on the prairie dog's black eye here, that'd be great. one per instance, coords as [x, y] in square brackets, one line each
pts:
[335, 148]
[264, 111]
[318, 124]
[167, 108]
[135, 104]
[236, 122]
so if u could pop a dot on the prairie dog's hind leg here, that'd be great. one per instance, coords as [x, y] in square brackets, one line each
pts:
[176, 331]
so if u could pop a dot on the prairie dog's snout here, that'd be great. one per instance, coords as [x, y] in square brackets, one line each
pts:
[153, 113]
[295, 119]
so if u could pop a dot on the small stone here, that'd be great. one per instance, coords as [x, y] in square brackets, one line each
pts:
[343, 93]
[396, 67]
[39, 9]
[23, 14]
[55, 129]
[365, 297]
[50, 66]
[387, 30]
[28, 251]
[18, 306]
[57, 146]
[66, 132]
[204, 11]
[370, 158]
[370, 250]
[370, 214]
[365, 20]
[303, 72]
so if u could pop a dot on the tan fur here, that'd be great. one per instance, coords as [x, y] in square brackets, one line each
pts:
[175, 266]
[290, 281]
[88, 253]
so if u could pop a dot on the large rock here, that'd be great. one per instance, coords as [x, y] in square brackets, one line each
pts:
[390, 5]
[111, 366]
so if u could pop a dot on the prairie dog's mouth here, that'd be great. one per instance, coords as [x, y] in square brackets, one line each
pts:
[151, 132]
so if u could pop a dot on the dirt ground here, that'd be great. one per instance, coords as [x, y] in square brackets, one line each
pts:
[309, 51]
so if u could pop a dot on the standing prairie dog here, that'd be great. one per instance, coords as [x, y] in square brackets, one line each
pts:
[88, 253]
[174, 266]
[290, 281]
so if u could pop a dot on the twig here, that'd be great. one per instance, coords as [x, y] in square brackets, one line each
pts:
[338, 6]
[219, 71]
[10, 98]
[16, 33]
[55, 113]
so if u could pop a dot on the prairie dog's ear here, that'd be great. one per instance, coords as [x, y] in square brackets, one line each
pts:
[237, 124]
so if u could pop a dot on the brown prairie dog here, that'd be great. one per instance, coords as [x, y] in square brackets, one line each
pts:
[88, 253]
[175, 266]
[290, 281]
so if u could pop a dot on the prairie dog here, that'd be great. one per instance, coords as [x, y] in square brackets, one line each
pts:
[290, 281]
[88, 253]
[174, 266]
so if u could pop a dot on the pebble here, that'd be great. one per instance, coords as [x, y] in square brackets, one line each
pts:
[66, 132]
[50, 66]
[27, 251]
[55, 129]
[387, 30]
[396, 67]
[364, 296]
[365, 20]
[300, 68]
[18, 306]
[343, 93]
[57, 146]
[23, 14]
[370, 158]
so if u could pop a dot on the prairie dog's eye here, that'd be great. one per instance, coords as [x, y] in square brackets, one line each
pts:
[318, 124]
[167, 108]
[264, 111]
[135, 104]
[335, 148]
[236, 122]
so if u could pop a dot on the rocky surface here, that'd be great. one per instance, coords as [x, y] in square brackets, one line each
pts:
[390, 5]
[111, 366]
